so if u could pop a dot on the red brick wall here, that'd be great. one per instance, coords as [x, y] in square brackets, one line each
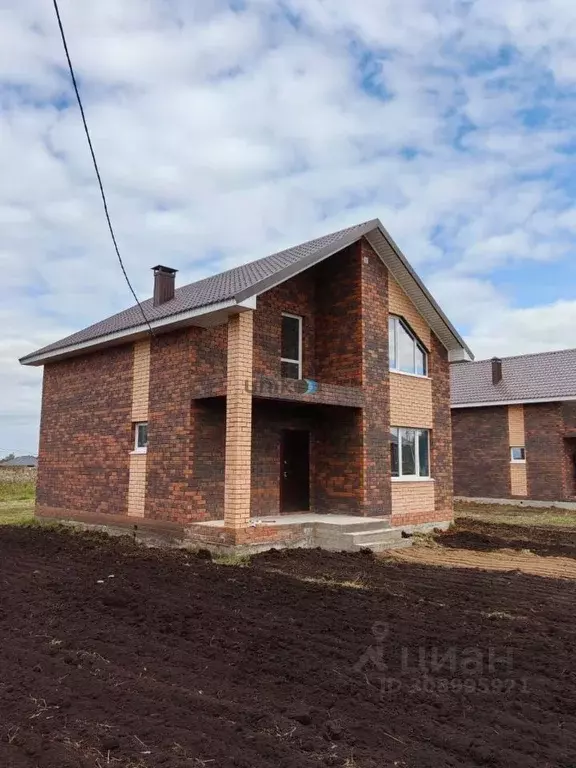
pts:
[481, 452]
[186, 439]
[441, 448]
[335, 456]
[376, 379]
[297, 297]
[569, 417]
[269, 418]
[328, 299]
[337, 453]
[545, 451]
[339, 319]
[86, 432]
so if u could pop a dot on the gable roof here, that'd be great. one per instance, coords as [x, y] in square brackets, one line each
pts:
[237, 288]
[20, 461]
[540, 377]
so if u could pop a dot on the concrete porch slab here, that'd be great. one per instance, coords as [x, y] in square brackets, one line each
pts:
[306, 529]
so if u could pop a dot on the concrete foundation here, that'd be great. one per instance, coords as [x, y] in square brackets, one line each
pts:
[331, 532]
[519, 502]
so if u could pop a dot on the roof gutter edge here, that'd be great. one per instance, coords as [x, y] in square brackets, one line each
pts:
[126, 334]
[532, 401]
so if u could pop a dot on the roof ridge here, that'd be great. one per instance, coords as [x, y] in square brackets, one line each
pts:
[516, 357]
[273, 255]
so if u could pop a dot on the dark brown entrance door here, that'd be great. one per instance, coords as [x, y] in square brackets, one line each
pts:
[294, 470]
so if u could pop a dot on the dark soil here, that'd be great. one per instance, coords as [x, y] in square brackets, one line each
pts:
[302, 659]
[487, 536]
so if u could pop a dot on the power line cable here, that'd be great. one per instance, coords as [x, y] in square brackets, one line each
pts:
[101, 186]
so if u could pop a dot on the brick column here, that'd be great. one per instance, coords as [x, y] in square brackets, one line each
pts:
[375, 417]
[238, 421]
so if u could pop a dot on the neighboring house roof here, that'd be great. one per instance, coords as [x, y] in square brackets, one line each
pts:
[541, 377]
[237, 289]
[20, 461]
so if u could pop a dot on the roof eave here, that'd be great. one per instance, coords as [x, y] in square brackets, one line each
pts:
[207, 316]
[522, 401]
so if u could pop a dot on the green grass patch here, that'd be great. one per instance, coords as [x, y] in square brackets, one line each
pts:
[237, 559]
[17, 512]
[17, 491]
[511, 514]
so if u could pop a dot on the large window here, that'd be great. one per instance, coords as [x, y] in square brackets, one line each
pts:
[406, 353]
[410, 452]
[291, 352]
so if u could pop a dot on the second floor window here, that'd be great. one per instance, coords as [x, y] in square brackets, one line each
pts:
[407, 354]
[291, 347]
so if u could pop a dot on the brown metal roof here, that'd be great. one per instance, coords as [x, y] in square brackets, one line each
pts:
[545, 376]
[244, 282]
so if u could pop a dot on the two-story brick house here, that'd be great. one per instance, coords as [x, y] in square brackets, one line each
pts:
[314, 380]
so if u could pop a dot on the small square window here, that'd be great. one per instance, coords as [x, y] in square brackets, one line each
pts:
[141, 436]
[517, 453]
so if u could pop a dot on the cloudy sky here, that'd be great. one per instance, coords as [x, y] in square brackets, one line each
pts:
[228, 130]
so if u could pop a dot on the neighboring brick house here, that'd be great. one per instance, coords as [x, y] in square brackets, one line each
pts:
[264, 390]
[514, 427]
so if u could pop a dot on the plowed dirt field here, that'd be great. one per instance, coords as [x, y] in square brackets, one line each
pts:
[114, 656]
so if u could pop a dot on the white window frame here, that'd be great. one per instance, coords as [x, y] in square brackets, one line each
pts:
[417, 477]
[397, 320]
[137, 448]
[517, 461]
[297, 362]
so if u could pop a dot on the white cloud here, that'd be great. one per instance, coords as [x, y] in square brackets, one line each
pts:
[201, 115]
[512, 331]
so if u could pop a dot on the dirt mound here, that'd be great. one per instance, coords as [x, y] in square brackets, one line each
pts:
[118, 656]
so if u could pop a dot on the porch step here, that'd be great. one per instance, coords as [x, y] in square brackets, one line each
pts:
[376, 535]
[382, 546]
[356, 527]
[379, 540]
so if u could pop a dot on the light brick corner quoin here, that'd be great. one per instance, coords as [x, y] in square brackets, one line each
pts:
[238, 421]
[517, 438]
[140, 397]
